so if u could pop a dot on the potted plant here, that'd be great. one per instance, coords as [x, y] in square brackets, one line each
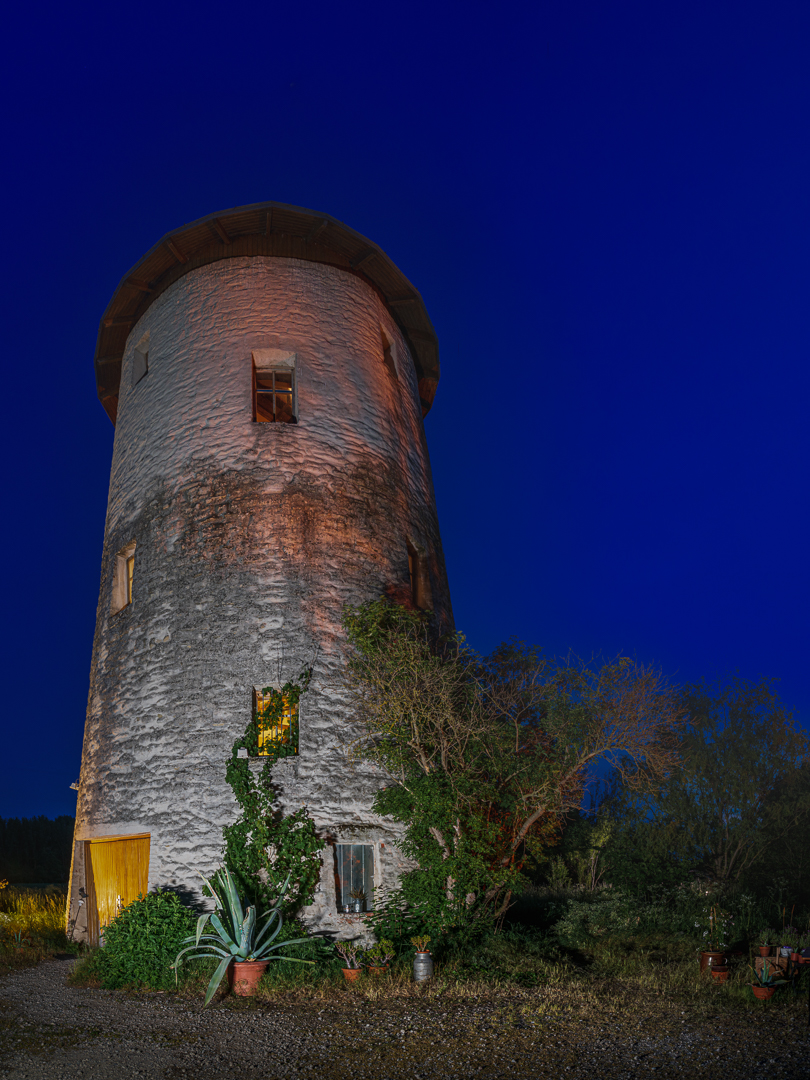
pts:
[720, 972]
[358, 900]
[765, 985]
[788, 934]
[244, 951]
[379, 956]
[351, 956]
[766, 937]
[715, 923]
[423, 961]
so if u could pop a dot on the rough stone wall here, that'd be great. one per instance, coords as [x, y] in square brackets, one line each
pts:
[249, 539]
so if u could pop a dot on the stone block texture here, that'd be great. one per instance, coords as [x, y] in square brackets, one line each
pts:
[249, 539]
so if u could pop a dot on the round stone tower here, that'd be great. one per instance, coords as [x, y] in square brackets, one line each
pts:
[267, 370]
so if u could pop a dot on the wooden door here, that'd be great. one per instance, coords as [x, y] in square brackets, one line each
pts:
[117, 872]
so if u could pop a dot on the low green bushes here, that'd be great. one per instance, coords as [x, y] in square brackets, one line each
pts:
[141, 944]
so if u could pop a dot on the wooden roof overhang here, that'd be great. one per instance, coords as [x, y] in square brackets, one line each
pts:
[262, 229]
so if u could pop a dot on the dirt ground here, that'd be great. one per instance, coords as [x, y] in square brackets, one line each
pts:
[51, 1031]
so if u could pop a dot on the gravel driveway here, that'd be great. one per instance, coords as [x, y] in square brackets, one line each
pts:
[50, 1031]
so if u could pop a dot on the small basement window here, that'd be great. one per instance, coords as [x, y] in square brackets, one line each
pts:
[123, 576]
[276, 725]
[274, 390]
[354, 877]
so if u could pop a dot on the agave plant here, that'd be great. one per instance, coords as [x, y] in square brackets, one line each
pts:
[765, 978]
[235, 934]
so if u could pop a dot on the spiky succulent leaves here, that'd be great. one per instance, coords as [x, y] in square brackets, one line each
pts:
[233, 904]
[248, 926]
[216, 979]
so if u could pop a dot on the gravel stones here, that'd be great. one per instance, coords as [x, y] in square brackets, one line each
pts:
[50, 1031]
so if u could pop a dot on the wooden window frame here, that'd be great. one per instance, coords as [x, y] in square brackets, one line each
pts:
[123, 578]
[269, 362]
[361, 873]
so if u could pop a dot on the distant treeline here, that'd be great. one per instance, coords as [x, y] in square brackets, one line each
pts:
[35, 850]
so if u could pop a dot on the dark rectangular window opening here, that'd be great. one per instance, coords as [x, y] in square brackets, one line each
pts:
[354, 878]
[273, 396]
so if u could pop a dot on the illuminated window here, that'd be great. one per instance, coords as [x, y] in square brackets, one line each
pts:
[354, 877]
[274, 728]
[123, 578]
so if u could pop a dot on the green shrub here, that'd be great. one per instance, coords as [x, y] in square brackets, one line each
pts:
[605, 912]
[141, 943]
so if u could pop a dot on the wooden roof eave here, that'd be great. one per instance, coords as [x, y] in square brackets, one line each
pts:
[262, 229]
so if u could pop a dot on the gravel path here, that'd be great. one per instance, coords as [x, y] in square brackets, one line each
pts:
[49, 1031]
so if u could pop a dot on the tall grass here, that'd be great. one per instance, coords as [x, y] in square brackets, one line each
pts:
[33, 913]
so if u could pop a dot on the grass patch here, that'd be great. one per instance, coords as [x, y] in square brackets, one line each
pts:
[32, 926]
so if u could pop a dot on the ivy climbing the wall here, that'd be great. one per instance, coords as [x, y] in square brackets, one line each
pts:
[264, 846]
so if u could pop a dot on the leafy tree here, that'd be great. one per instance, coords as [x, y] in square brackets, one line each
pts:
[484, 754]
[741, 792]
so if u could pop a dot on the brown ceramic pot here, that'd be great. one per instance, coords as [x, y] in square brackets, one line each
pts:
[711, 959]
[764, 993]
[719, 973]
[351, 974]
[244, 975]
[764, 950]
[378, 970]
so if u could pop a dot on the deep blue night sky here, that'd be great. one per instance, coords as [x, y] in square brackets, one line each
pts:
[605, 208]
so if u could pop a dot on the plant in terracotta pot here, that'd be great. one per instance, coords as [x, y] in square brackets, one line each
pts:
[352, 957]
[765, 984]
[715, 924]
[379, 956]
[244, 949]
[766, 939]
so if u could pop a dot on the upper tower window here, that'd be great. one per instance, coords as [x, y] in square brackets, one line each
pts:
[140, 361]
[274, 390]
[389, 354]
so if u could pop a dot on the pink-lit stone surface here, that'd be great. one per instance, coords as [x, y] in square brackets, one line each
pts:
[250, 539]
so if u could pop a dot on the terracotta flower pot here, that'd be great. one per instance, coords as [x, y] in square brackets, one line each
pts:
[764, 993]
[376, 969]
[764, 950]
[244, 975]
[796, 957]
[711, 959]
[351, 974]
[719, 974]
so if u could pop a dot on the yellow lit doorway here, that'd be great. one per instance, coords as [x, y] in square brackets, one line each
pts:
[117, 871]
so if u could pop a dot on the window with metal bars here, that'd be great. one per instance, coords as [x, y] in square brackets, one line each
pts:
[354, 877]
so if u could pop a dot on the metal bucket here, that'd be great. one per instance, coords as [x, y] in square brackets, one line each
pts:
[422, 967]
